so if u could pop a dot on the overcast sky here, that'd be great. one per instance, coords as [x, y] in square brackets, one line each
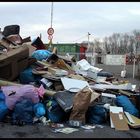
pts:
[71, 20]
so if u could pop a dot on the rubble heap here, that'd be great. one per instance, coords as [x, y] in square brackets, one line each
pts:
[39, 86]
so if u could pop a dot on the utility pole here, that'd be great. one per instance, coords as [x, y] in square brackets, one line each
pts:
[88, 39]
[88, 47]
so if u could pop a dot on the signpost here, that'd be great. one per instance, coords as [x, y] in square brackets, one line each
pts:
[50, 31]
[50, 37]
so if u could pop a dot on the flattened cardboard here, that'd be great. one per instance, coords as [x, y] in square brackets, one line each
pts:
[136, 123]
[126, 93]
[119, 121]
[76, 76]
[31, 48]
[117, 118]
[129, 117]
[94, 96]
[44, 64]
[70, 83]
[62, 65]
[57, 71]
[127, 86]
[49, 76]
[114, 109]
[39, 72]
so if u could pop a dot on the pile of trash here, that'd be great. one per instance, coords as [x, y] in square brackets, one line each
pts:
[54, 90]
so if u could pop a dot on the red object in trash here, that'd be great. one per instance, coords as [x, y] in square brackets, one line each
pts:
[82, 52]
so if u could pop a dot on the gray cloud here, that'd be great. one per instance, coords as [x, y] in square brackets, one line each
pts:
[71, 20]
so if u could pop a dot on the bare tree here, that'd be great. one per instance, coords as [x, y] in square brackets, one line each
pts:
[119, 43]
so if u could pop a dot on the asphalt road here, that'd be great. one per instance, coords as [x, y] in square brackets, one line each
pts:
[116, 70]
[40, 131]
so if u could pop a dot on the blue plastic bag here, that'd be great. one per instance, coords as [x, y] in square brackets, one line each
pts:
[3, 107]
[39, 110]
[23, 112]
[41, 54]
[127, 105]
[54, 112]
[105, 74]
[96, 114]
[27, 76]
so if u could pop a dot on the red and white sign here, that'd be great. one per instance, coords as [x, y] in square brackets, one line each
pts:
[50, 37]
[50, 31]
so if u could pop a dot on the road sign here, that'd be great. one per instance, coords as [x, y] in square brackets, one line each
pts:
[50, 37]
[50, 31]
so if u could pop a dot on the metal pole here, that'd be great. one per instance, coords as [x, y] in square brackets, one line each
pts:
[134, 60]
[51, 14]
[124, 68]
[88, 47]
[134, 67]
[51, 22]
[88, 39]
